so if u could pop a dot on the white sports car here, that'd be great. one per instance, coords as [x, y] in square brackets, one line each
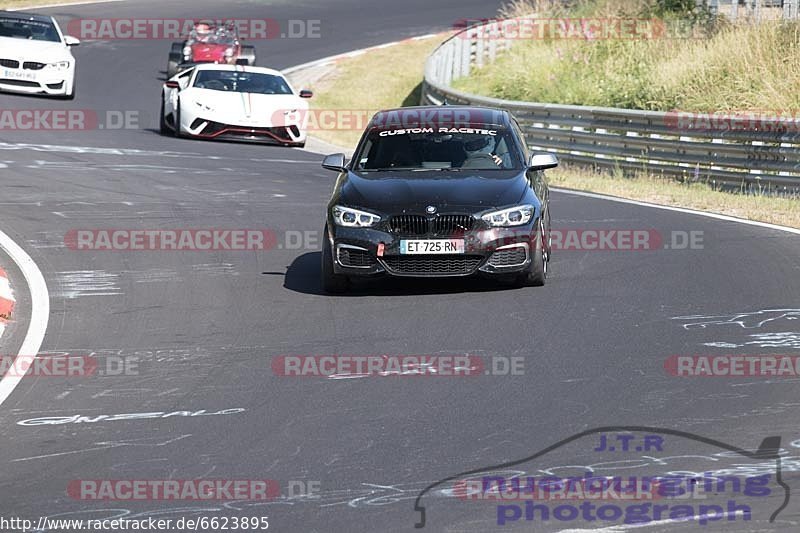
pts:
[234, 102]
[35, 57]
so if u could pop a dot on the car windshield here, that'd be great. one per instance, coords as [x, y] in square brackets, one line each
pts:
[219, 36]
[441, 148]
[242, 82]
[33, 30]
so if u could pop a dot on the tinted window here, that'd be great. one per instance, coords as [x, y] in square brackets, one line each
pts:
[32, 30]
[242, 82]
[482, 148]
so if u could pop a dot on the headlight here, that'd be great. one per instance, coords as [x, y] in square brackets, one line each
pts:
[513, 216]
[187, 51]
[61, 65]
[353, 218]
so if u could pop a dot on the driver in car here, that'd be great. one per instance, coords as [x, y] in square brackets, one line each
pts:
[481, 148]
[202, 33]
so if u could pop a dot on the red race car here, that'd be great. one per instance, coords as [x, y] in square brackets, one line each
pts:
[208, 43]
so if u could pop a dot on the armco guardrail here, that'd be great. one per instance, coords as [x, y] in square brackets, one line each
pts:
[760, 154]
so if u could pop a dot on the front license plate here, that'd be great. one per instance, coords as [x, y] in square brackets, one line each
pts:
[432, 246]
[19, 75]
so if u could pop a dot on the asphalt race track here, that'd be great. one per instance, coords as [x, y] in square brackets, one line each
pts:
[204, 327]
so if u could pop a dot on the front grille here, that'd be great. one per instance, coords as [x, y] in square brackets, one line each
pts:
[409, 224]
[508, 257]
[20, 83]
[9, 63]
[415, 225]
[32, 65]
[351, 257]
[439, 265]
[452, 224]
[212, 128]
[55, 86]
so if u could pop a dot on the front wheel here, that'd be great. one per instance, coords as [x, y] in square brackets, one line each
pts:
[536, 275]
[332, 283]
[162, 121]
[177, 119]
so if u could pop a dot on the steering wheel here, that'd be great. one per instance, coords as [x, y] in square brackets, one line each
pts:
[217, 85]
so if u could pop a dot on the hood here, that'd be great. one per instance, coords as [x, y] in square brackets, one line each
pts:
[403, 191]
[29, 50]
[264, 110]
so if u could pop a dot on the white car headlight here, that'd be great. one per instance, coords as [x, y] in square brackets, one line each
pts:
[512, 216]
[353, 218]
[60, 65]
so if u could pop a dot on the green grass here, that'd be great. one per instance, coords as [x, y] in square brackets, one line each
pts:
[380, 79]
[666, 191]
[732, 67]
[395, 75]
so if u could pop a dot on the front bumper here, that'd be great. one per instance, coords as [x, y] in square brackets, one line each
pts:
[277, 135]
[36, 81]
[495, 251]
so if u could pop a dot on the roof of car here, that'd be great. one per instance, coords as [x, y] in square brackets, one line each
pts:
[448, 114]
[26, 16]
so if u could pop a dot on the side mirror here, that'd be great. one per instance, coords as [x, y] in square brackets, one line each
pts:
[171, 84]
[69, 40]
[543, 161]
[334, 162]
[305, 93]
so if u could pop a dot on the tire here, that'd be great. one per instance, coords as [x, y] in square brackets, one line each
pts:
[177, 119]
[163, 128]
[536, 275]
[332, 283]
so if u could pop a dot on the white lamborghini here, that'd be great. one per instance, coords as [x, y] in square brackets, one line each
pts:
[234, 102]
[35, 57]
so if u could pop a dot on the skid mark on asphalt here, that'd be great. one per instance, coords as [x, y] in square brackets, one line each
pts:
[82, 166]
[747, 320]
[78, 283]
[216, 269]
[154, 442]
[783, 339]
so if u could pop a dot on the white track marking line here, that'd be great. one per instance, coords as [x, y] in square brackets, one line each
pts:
[707, 214]
[40, 311]
[63, 4]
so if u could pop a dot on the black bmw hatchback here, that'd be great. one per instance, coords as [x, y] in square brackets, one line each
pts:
[436, 192]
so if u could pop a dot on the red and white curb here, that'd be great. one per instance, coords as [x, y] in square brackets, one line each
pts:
[7, 301]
